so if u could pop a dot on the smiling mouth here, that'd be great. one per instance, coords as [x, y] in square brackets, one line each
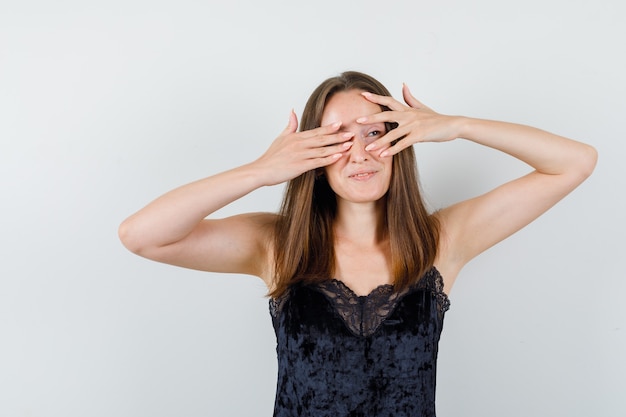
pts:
[362, 175]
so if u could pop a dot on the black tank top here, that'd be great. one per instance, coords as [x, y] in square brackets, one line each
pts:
[340, 354]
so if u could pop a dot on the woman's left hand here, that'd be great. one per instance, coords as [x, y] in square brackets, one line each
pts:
[416, 123]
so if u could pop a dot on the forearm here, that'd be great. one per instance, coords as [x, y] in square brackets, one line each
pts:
[174, 215]
[544, 151]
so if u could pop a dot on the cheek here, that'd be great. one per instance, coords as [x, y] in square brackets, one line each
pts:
[338, 165]
[328, 172]
[333, 174]
[389, 170]
[369, 139]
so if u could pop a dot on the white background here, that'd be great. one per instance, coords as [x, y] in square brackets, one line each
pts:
[104, 105]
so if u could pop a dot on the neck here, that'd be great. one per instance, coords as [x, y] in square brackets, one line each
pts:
[360, 222]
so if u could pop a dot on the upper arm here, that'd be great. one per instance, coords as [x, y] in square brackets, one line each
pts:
[237, 244]
[472, 226]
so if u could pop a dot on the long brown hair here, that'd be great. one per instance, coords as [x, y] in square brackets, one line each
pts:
[303, 236]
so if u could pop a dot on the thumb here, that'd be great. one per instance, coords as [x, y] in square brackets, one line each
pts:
[292, 126]
[409, 99]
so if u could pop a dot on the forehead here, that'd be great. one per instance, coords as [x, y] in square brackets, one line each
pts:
[347, 106]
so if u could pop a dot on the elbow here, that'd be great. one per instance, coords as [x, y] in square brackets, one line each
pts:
[138, 240]
[581, 166]
[130, 238]
[587, 161]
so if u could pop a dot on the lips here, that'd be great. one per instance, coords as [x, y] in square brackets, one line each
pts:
[362, 175]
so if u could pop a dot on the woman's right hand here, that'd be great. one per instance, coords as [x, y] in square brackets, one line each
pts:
[293, 153]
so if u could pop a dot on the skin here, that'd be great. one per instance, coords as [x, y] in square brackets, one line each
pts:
[174, 229]
[360, 179]
[361, 176]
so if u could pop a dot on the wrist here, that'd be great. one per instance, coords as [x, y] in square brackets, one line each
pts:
[260, 174]
[463, 126]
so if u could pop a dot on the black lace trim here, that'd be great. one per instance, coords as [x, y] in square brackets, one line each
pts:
[363, 315]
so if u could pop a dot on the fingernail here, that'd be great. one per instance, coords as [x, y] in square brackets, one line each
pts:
[366, 93]
[336, 124]
[347, 135]
[370, 147]
[361, 120]
[347, 144]
[383, 154]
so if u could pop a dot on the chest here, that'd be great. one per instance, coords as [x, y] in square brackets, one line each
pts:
[363, 268]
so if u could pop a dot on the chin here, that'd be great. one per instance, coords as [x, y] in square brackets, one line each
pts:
[364, 198]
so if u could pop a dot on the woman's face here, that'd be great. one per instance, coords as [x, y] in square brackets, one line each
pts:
[359, 176]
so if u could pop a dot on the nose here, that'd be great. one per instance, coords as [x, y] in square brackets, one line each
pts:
[357, 151]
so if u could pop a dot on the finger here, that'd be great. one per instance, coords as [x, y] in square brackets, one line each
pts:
[388, 101]
[321, 160]
[292, 125]
[382, 117]
[330, 150]
[328, 160]
[322, 130]
[392, 150]
[316, 138]
[332, 139]
[395, 147]
[410, 99]
[388, 139]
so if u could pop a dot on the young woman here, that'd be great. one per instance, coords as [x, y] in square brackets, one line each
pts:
[357, 269]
